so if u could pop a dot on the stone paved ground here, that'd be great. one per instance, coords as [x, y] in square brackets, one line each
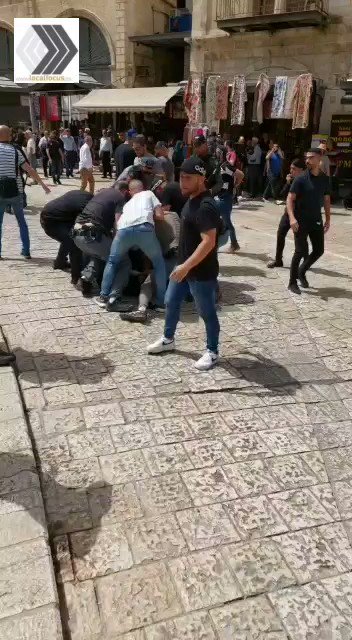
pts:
[187, 506]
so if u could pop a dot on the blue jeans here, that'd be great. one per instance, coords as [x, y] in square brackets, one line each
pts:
[143, 237]
[225, 206]
[204, 294]
[17, 206]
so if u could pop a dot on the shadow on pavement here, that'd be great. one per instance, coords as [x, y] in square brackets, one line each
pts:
[67, 507]
[326, 293]
[262, 257]
[236, 270]
[330, 273]
[56, 367]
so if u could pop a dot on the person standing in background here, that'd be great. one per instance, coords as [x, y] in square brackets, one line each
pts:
[56, 157]
[31, 151]
[163, 163]
[86, 165]
[325, 161]
[70, 152]
[43, 145]
[80, 138]
[124, 154]
[254, 173]
[178, 158]
[105, 153]
[274, 163]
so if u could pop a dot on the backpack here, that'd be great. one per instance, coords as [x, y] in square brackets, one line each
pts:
[9, 186]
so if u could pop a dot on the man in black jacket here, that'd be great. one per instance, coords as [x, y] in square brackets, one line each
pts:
[124, 155]
[57, 219]
[296, 169]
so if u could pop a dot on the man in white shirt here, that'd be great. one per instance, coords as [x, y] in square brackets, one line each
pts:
[31, 152]
[70, 150]
[86, 165]
[135, 228]
[105, 153]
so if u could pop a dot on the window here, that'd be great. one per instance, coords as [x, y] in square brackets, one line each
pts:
[6, 53]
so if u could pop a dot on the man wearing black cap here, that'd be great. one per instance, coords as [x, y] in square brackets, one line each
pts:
[308, 193]
[198, 266]
[212, 166]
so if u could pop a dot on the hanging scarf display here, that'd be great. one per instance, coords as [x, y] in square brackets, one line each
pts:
[53, 109]
[261, 91]
[43, 108]
[211, 102]
[193, 100]
[280, 90]
[301, 101]
[238, 99]
[288, 106]
[222, 99]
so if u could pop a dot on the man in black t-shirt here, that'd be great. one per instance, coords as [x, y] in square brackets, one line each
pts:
[308, 194]
[124, 156]
[57, 219]
[94, 230]
[198, 266]
[55, 153]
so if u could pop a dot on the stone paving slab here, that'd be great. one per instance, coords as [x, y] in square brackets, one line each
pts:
[180, 506]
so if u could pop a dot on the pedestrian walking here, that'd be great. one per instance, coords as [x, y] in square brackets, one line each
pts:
[55, 156]
[228, 176]
[198, 266]
[43, 145]
[11, 185]
[273, 162]
[31, 151]
[70, 152]
[296, 169]
[254, 168]
[105, 153]
[308, 194]
[86, 165]
[178, 158]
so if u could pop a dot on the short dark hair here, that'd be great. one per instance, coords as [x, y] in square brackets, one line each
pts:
[122, 186]
[298, 163]
[140, 139]
[315, 150]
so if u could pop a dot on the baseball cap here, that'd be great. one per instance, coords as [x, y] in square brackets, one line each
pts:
[199, 140]
[194, 166]
[148, 163]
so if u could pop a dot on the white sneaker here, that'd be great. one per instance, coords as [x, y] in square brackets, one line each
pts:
[206, 362]
[161, 345]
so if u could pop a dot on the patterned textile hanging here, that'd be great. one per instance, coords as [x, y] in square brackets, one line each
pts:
[193, 100]
[261, 91]
[301, 101]
[222, 98]
[211, 102]
[288, 106]
[280, 90]
[238, 99]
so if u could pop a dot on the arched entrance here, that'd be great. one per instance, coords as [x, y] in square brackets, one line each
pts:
[94, 54]
[6, 53]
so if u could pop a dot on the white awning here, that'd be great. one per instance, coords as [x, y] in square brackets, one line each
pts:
[136, 100]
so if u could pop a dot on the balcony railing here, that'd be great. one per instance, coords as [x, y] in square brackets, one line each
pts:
[267, 13]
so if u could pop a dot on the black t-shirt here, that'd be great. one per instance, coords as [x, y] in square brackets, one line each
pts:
[199, 215]
[310, 191]
[102, 208]
[66, 208]
[172, 195]
[228, 177]
[54, 147]
[124, 157]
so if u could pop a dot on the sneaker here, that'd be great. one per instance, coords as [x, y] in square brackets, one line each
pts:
[294, 288]
[115, 305]
[6, 358]
[86, 287]
[303, 280]
[275, 263]
[27, 256]
[139, 315]
[101, 301]
[280, 202]
[161, 345]
[207, 361]
[233, 249]
[265, 200]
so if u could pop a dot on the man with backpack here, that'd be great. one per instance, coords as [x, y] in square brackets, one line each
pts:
[11, 185]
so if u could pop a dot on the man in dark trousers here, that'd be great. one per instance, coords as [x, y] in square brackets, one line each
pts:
[124, 155]
[197, 265]
[57, 219]
[296, 169]
[308, 194]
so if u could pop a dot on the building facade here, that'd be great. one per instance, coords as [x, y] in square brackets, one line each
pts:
[277, 37]
[107, 52]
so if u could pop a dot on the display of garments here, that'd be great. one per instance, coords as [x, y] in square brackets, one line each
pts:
[238, 99]
[35, 104]
[280, 89]
[53, 109]
[288, 107]
[43, 108]
[261, 91]
[211, 102]
[193, 100]
[301, 101]
[222, 99]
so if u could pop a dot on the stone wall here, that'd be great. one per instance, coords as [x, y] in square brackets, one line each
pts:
[325, 52]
